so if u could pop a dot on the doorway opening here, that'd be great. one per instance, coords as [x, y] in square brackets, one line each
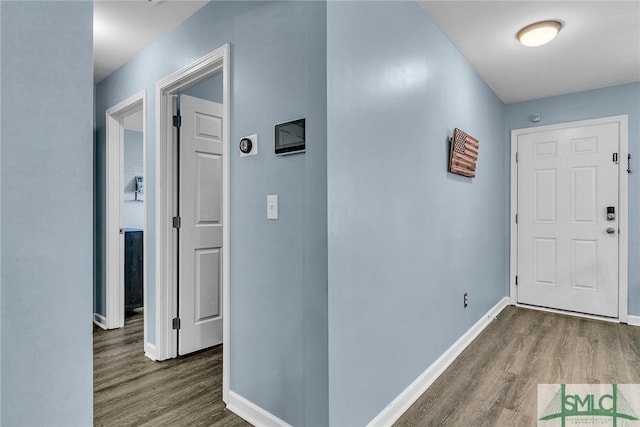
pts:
[569, 228]
[168, 218]
[125, 231]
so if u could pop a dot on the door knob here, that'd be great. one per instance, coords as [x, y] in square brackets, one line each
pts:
[611, 230]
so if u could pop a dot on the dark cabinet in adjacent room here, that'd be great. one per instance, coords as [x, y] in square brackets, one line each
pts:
[133, 268]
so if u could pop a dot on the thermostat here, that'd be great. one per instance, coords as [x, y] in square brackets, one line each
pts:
[248, 145]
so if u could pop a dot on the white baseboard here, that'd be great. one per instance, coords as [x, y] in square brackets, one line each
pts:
[100, 320]
[252, 412]
[150, 351]
[633, 320]
[400, 404]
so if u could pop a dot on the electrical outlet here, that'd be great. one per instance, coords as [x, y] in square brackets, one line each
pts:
[466, 300]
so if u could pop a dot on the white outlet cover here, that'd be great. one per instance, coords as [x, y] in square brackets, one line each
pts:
[254, 145]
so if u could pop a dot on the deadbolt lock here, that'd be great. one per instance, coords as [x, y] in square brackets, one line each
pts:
[611, 213]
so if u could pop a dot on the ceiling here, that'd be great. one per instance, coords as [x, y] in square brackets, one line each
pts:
[122, 28]
[598, 46]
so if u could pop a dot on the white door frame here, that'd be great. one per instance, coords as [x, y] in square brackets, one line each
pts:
[165, 248]
[114, 240]
[623, 206]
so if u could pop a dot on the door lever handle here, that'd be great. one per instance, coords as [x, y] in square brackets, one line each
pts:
[611, 230]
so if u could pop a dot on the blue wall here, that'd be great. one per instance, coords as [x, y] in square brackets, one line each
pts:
[278, 268]
[406, 238]
[0, 215]
[612, 101]
[46, 213]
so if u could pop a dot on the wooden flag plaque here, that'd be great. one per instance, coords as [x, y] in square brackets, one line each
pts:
[464, 154]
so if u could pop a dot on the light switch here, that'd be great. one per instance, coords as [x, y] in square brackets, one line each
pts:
[272, 206]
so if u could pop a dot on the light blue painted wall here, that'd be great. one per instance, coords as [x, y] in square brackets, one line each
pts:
[278, 268]
[46, 213]
[606, 102]
[210, 89]
[406, 238]
[133, 154]
[0, 217]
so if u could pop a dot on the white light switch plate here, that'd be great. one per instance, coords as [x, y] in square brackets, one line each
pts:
[272, 206]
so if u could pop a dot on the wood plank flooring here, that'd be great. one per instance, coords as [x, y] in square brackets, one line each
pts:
[494, 381]
[131, 390]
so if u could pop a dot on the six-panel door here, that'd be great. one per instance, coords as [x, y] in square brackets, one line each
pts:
[200, 237]
[567, 246]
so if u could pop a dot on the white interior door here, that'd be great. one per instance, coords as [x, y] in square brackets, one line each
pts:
[200, 252]
[567, 245]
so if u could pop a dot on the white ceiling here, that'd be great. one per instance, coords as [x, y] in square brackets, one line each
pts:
[598, 46]
[122, 28]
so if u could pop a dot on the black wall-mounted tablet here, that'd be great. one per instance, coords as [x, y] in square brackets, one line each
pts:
[290, 137]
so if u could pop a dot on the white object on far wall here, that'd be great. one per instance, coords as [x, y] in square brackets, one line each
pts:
[133, 167]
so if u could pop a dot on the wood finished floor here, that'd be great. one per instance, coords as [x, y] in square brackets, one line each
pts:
[131, 390]
[494, 381]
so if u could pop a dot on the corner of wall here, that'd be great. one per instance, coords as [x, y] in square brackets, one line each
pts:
[398, 220]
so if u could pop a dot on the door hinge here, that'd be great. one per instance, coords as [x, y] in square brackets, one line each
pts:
[177, 121]
[176, 323]
[615, 158]
[517, 157]
[516, 280]
[516, 218]
[177, 222]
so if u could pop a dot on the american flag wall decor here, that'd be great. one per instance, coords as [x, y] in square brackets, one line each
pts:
[464, 154]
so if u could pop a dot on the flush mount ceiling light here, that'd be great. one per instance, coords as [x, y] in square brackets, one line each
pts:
[539, 33]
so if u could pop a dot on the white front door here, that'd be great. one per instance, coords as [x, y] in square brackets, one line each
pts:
[567, 242]
[200, 252]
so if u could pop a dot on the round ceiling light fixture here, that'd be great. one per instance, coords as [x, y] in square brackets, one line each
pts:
[539, 33]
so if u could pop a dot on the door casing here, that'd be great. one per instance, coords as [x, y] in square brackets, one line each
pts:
[114, 240]
[623, 196]
[164, 191]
